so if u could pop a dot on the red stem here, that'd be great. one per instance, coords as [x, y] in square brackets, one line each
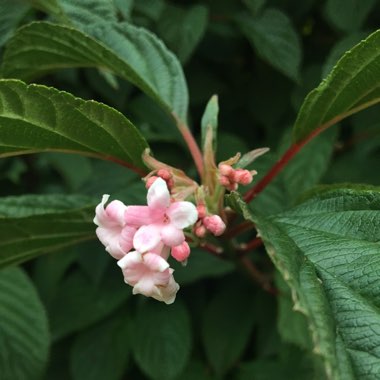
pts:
[192, 145]
[239, 229]
[295, 148]
[211, 248]
[140, 172]
[251, 245]
[258, 277]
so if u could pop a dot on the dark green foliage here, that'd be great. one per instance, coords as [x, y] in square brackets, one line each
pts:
[264, 59]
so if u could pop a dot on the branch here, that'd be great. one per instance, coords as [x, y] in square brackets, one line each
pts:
[295, 148]
[192, 144]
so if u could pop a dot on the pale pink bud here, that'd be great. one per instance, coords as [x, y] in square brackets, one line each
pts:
[201, 208]
[164, 174]
[214, 224]
[226, 170]
[232, 186]
[242, 176]
[224, 181]
[150, 181]
[181, 252]
[200, 231]
[170, 183]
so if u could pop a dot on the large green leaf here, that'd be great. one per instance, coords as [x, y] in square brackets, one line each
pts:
[130, 52]
[88, 11]
[102, 352]
[79, 302]
[327, 249]
[161, 339]
[24, 332]
[348, 15]
[11, 13]
[354, 84]
[36, 118]
[227, 327]
[274, 38]
[33, 225]
[183, 29]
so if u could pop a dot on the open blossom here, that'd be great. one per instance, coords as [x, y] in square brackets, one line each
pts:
[151, 231]
[160, 221]
[150, 275]
[112, 230]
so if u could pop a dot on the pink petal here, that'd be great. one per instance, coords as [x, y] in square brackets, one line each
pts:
[155, 262]
[158, 195]
[131, 259]
[115, 211]
[181, 252]
[146, 238]
[110, 238]
[138, 216]
[171, 235]
[126, 238]
[167, 293]
[101, 217]
[182, 214]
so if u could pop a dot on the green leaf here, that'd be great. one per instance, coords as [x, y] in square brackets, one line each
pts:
[292, 364]
[327, 251]
[86, 12]
[347, 43]
[227, 325]
[11, 13]
[102, 352]
[31, 225]
[195, 370]
[161, 339]
[254, 6]
[275, 40]
[348, 15]
[182, 30]
[79, 302]
[291, 324]
[209, 122]
[352, 86]
[64, 164]
[130, 52]
[48, 6]
[24, 332]
[36, 118]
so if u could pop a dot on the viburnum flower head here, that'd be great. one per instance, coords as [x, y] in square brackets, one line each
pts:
[161, 221]
[150, 275]
[112, 230]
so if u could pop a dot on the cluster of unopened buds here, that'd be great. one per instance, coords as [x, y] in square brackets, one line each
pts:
[142, 238]
[230, 178]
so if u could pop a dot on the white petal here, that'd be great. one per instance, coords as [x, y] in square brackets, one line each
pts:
[158, 195]
[130, 258]
[100, 213]
[182, 214]
[146, 238]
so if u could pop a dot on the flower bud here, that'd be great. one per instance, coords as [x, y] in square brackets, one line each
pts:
[201, 208]
[181, 252]
[149, 182]
[224, 181]
[225, 170]
[200, 231]
[242, 176]
[214, 224]
[164, 174]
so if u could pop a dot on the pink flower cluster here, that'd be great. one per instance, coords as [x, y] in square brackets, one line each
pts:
[141, 238]
[230, 178]
[211, 223]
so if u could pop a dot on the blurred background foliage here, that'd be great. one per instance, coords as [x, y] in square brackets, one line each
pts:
[261, 57]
